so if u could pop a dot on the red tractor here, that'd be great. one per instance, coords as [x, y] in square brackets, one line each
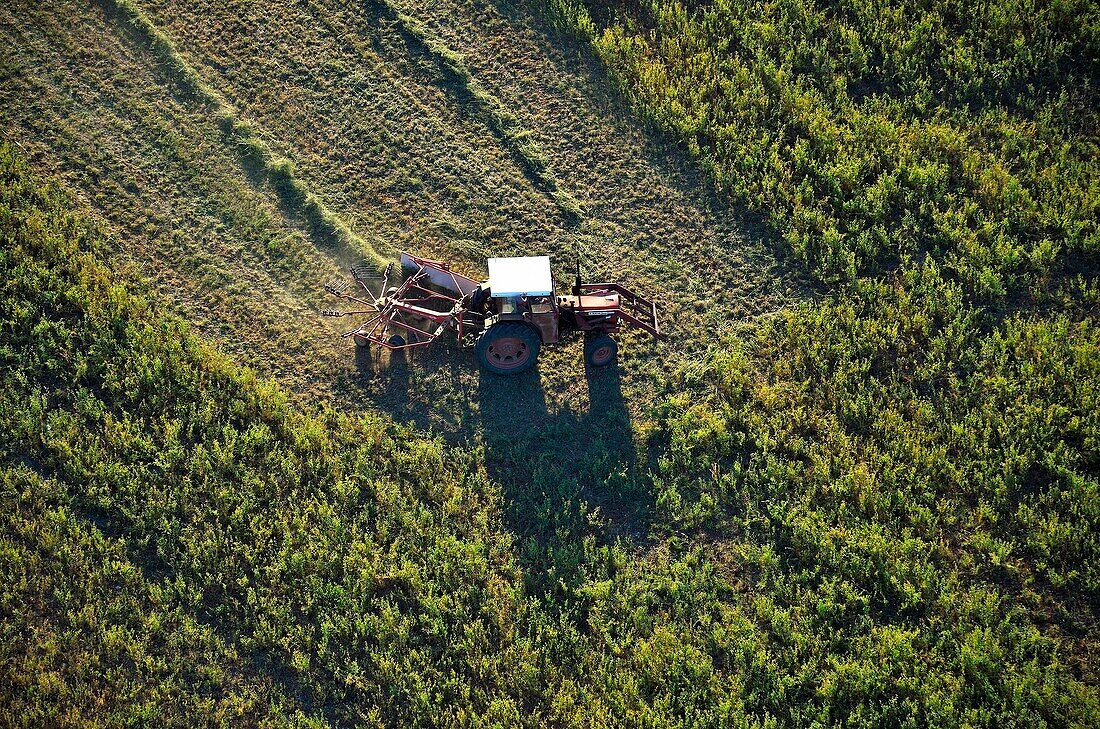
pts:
[507, 318]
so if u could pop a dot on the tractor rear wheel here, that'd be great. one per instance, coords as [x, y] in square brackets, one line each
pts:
[508, 348]
[600, 351]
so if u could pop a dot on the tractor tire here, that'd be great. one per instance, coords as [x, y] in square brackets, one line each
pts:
[508, 348]
[600, 351]
[360, 341]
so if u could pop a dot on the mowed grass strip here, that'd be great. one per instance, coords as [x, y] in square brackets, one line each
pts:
[213, 240]
[372, 121]
[243, 138]
[501, 120]
[377, 126]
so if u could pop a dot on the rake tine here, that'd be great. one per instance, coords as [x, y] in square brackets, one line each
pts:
[337, 287]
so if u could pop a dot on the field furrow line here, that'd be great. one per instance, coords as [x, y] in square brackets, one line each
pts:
[253, 151]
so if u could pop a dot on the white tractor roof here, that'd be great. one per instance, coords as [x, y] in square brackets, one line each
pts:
[524, 276]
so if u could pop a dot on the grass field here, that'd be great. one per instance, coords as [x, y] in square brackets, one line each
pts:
[857, 484]
[394, 144]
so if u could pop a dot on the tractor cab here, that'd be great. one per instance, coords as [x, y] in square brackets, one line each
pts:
[522, 289]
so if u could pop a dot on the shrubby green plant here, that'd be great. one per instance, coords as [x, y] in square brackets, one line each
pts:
[89, 637]
[869, 132]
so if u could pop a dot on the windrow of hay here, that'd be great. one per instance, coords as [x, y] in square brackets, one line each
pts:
[504, 123]
[323, 224]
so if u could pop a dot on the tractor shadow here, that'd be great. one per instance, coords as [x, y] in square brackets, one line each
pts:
[391, 371]
[565, 475]
[567, 461]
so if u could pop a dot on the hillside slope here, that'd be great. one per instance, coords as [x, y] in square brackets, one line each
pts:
[393, 142]
[879, 507]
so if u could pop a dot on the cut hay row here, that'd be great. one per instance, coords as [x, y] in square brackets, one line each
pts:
[253, 151]
[504, 123]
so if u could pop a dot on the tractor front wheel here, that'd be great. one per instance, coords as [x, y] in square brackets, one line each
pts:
[508, 348]
[600, 351]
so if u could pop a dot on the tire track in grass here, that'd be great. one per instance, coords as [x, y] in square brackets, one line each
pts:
[253, 151]
[506, 125]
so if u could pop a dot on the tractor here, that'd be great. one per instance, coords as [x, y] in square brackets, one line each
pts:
[506, 319]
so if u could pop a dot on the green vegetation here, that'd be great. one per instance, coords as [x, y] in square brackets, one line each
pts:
[922, 447]
[368, 570]
[875, 132]
[878, 508]
[90, 639]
